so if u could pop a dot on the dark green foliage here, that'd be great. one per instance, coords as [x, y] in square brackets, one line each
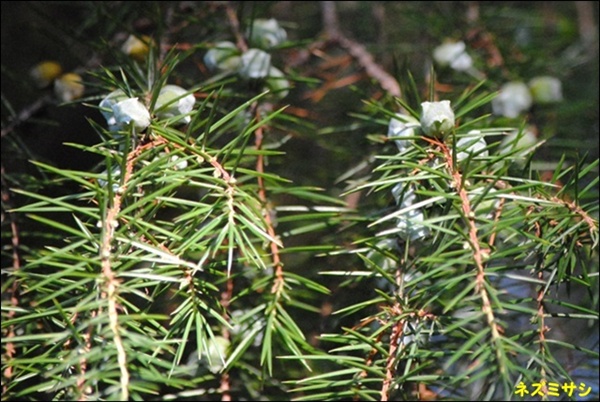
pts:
[270, 242]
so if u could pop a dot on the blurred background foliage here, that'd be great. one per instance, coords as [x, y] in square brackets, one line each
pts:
[532, 39]
[508, 41]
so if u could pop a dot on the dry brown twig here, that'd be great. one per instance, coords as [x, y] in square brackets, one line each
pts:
[334, 34]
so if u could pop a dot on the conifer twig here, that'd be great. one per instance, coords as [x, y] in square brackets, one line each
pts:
[478, 252]
[390, 365]
[262, 195]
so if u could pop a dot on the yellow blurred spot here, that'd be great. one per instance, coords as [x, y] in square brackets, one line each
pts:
[45, 72]
[137, 47]
[69, 87]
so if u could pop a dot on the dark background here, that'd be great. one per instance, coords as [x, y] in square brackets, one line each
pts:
[534, 38]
